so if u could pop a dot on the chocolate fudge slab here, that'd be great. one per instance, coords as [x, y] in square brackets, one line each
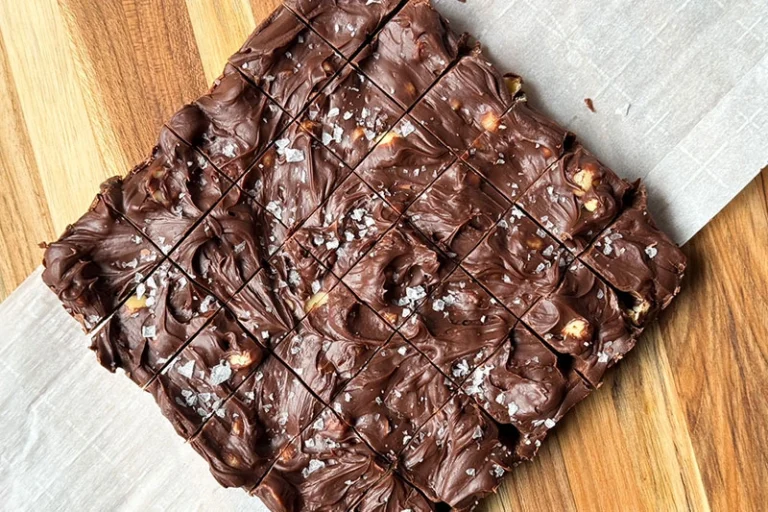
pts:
[576, 199]
[351, 115]
[392, 397]
[518, 262]
[345, 24]
[228, 247]
[157, 320]
[457, 210]
[639, 260]
[98, 261]
[410, 52]
[398, 274]
[347, 225]
[465, 102]
[459, 325]
[287, 60]
[293, 178]
[514, 153]
[584, 318]
[195, 384]
[327, 468]
[459, 456]
[166, 195]
[392, 493]
[333, 343]
[248, 432]
[525, 385]
[406, 160]
[232, 124]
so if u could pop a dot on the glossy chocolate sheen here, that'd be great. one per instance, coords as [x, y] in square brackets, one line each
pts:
[457, 210]
[515, 152]
[459, 325]
[393, 494]
[584, 318]
[98, 261]
[287, 60]
[328, 468]
[518, 262]
[232, 124]
[351, 115]
[346, 226]
[293, 178]
[228, 247]
[164, 312]
[638, 259]
[396, 276]
[247, 433]
[459, 456]
[167, 194]
[576, 199]
[392, 397]
[524, 384]
[411, 52]
[345, 24]
[333, 342]
[197, 382]
[406, 160]
[467, 101]
[362, 273]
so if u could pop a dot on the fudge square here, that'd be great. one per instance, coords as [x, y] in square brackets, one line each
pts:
[362, 272]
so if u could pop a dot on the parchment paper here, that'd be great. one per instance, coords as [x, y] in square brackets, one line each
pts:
[681, 93]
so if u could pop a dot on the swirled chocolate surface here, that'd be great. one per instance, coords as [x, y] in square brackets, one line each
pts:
[327, 468]
[459, 325]
[518, 149]
[576, 199]
[345, 24]
[98, 261]
[246, 434]
[198, 381]
[167, 194]
[468, 100]
[346, 226]
[457, 210]
[228, 247]
[351, 115]
[518, 262]
[459, 456]
[293, 178]
[585, 319]
[411, 52]
[638, 259]
[392, 397]
[232, 124]
[163, 313]
[393, 494]
[333, 342]
[406, 160]
[524, 384]
[287, 60]
[398, 274]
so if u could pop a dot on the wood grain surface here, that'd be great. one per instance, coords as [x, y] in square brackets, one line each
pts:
[681, 425]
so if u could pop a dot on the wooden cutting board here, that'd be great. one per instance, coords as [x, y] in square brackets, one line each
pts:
[681, 425]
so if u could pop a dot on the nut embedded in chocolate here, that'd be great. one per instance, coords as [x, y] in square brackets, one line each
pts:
[524, 384]
[406, 160]
[518, 262]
